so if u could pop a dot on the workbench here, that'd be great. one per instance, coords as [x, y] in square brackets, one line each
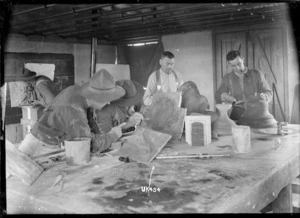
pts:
[240, 183]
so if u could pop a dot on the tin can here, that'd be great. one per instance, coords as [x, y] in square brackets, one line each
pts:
[284, 128]
[279, 128]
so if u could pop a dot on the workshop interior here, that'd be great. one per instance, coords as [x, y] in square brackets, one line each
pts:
[150, 108]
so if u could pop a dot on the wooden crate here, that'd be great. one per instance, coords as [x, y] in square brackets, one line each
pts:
[14, 132]
[199, 118]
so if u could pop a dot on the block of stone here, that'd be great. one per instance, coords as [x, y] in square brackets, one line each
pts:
[164, 114]
[20, 165]
[144, 145]
[257, 115]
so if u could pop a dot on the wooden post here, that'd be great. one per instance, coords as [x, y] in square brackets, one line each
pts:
[93, 57]
[78, 151]
[20, 165]
[116, 53]
[283, 202]
[3, 103]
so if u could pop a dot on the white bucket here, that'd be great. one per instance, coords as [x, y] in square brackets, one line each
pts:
[78, 151]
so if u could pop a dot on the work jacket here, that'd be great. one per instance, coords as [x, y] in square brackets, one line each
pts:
[65, 118]
[254, 83]
[102, 121]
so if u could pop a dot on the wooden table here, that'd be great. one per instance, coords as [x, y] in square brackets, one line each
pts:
[241, 183]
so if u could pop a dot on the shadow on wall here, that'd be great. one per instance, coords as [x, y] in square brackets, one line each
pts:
[295, 119]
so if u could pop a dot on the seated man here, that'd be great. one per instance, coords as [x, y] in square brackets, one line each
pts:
[197, 103]
[66, 116]
[119, 111]
[241, 85]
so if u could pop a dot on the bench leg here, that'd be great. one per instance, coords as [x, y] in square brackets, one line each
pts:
[283, 202]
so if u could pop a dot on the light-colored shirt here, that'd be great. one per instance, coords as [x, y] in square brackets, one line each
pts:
[168, 83]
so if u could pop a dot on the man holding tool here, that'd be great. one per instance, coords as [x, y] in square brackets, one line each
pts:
[119, 111]
[66, 117]
[241, 85]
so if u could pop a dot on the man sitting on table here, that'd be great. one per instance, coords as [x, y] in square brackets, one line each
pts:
[66, 116]
[242, 84]
[119, 111]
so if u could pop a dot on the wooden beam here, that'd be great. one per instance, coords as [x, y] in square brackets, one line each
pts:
[93, 56]
[20, 165]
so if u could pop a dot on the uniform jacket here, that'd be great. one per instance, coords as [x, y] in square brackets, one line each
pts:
[254, 83]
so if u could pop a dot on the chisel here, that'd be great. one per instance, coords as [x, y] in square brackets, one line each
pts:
[193, 156]
[48, 154]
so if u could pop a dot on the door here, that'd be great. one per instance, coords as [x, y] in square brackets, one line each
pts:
[224, 43]
[265, 47]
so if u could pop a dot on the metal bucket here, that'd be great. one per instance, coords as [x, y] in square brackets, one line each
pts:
[78, 151]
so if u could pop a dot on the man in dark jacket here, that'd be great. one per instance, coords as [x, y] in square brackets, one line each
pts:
[66, 116]
[241, 85]
[122, 110]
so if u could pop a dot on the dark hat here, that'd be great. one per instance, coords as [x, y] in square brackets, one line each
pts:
[134, 93]
[101, 87]
[25, 76]
[231, 55]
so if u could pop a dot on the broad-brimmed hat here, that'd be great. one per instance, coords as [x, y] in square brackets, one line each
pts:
[134, 93]
[25, 76]
[101, 88]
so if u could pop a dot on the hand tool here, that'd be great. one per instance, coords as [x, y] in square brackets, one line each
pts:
[124, 159]
[48, 155]
[193, 156]
[237, 104]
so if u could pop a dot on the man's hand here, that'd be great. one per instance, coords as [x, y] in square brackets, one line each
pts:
[36, 102]
[135, 118]
[263, 96]
[227, 98]
[118, 129]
